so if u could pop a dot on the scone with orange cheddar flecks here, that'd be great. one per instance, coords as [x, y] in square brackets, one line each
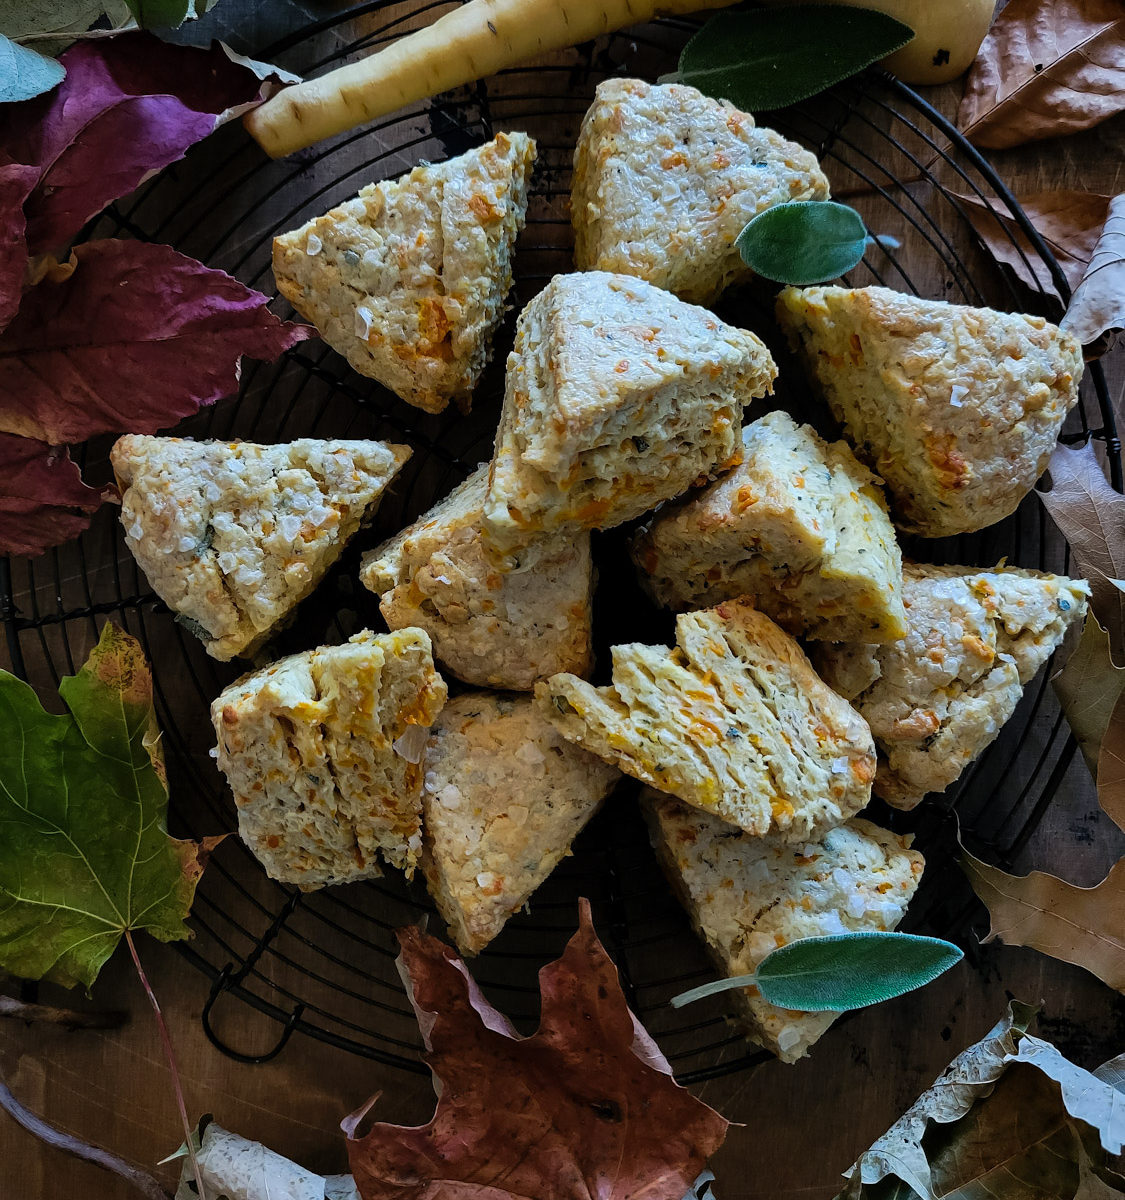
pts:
[665, 178]
[617, 396]
[503, 798]
[734, 721]
[323, 752]
[494, 623]
[957, 408]
[749, 896]
[936, 700]
[233, 535]
[800, 527]
[408, 280]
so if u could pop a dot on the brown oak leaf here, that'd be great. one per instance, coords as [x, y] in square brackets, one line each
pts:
[1098, 303]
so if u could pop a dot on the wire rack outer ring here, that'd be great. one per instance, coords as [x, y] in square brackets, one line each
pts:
[257, 965]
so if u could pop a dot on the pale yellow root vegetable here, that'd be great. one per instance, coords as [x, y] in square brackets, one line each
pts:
[475, 40]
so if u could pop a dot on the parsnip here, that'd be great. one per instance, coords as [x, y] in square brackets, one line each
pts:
[475, 40]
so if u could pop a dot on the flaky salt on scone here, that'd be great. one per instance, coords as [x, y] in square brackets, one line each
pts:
[323, 753]
[502, 623]
[936, 700]
[665, 178]
[800, 527]
[618, 396]
[408, 280]
[958, 409]
[734, 720]
[749, 896]
[503, 799]
[233, 535]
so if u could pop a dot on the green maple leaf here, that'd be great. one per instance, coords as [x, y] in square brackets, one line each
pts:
[85, 855]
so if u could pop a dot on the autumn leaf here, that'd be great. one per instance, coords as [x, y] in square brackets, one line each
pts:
[1046, 68]
[16, 184]
[585, 1108]
[25, 73]
[1091, 516]
[85, 855]
[1098, 303]
[83, 356]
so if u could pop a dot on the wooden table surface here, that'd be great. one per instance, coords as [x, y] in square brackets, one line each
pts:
[803, 1124]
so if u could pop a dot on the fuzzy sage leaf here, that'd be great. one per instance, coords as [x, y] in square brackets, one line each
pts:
[841, 971]
[774, 57]
[803, 242]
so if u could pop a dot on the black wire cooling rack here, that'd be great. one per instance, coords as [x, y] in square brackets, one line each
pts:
[322, 964]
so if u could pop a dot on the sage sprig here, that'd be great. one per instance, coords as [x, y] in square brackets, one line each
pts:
[803, 242]
[840, 972]
[773, 57]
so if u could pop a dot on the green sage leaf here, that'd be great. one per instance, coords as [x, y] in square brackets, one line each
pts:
[161, 14]
[803, 242]
[25, 73]
[770, 58]
[851, 970]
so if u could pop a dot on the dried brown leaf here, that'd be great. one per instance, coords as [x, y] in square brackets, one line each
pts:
[1098, 303]
[1082, 926]
[1088, 688]
[1110, 772]
[1047, 68]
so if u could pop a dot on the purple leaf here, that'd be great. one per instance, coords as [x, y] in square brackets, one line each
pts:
[16, 182]
[138, 337]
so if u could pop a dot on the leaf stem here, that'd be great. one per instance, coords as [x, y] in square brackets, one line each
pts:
[170, 1055]
[145, 1183]
[710, 989]
[19, 1010]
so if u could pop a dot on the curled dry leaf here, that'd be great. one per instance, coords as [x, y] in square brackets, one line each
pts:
[1047, 68]
[81, 356]
[584, 1108]
[1098, 303]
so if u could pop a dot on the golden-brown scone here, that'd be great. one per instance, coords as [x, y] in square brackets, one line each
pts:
[800, 527]
[665, 178]
[749, 896]
[938, 698]
[408, 280]
[501, 623]
[322, 750]
[734, 720]
[957, 408]
[618, 396]
[503, 798]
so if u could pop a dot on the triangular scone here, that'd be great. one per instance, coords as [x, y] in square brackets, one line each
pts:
[494, 623]
[233, 535]
[734, 720]
[618, 396]
[665, 178]
[800, 527]
[408, 280]
[956, 408]
[504, 796]
[935, 700]
[748, 896]
[313, 748]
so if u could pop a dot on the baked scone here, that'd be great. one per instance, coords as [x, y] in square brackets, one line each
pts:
[494, 623]
[957, 408]
[935, 700]
[800, 527]
[407, 281]
[323, 752]
[734, 720]
[233, 535]
[618, 396]
[749, 896]
[503, 798]
[665, 178]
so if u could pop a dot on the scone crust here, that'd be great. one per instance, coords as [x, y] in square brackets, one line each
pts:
[749, 896]
[956, 408]
[617, 396]
[665, 178]
[734, 721]
[503, 798]
[936, 700]
[503, 623]
[408, 280]
[233, 535]
[801, 527]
